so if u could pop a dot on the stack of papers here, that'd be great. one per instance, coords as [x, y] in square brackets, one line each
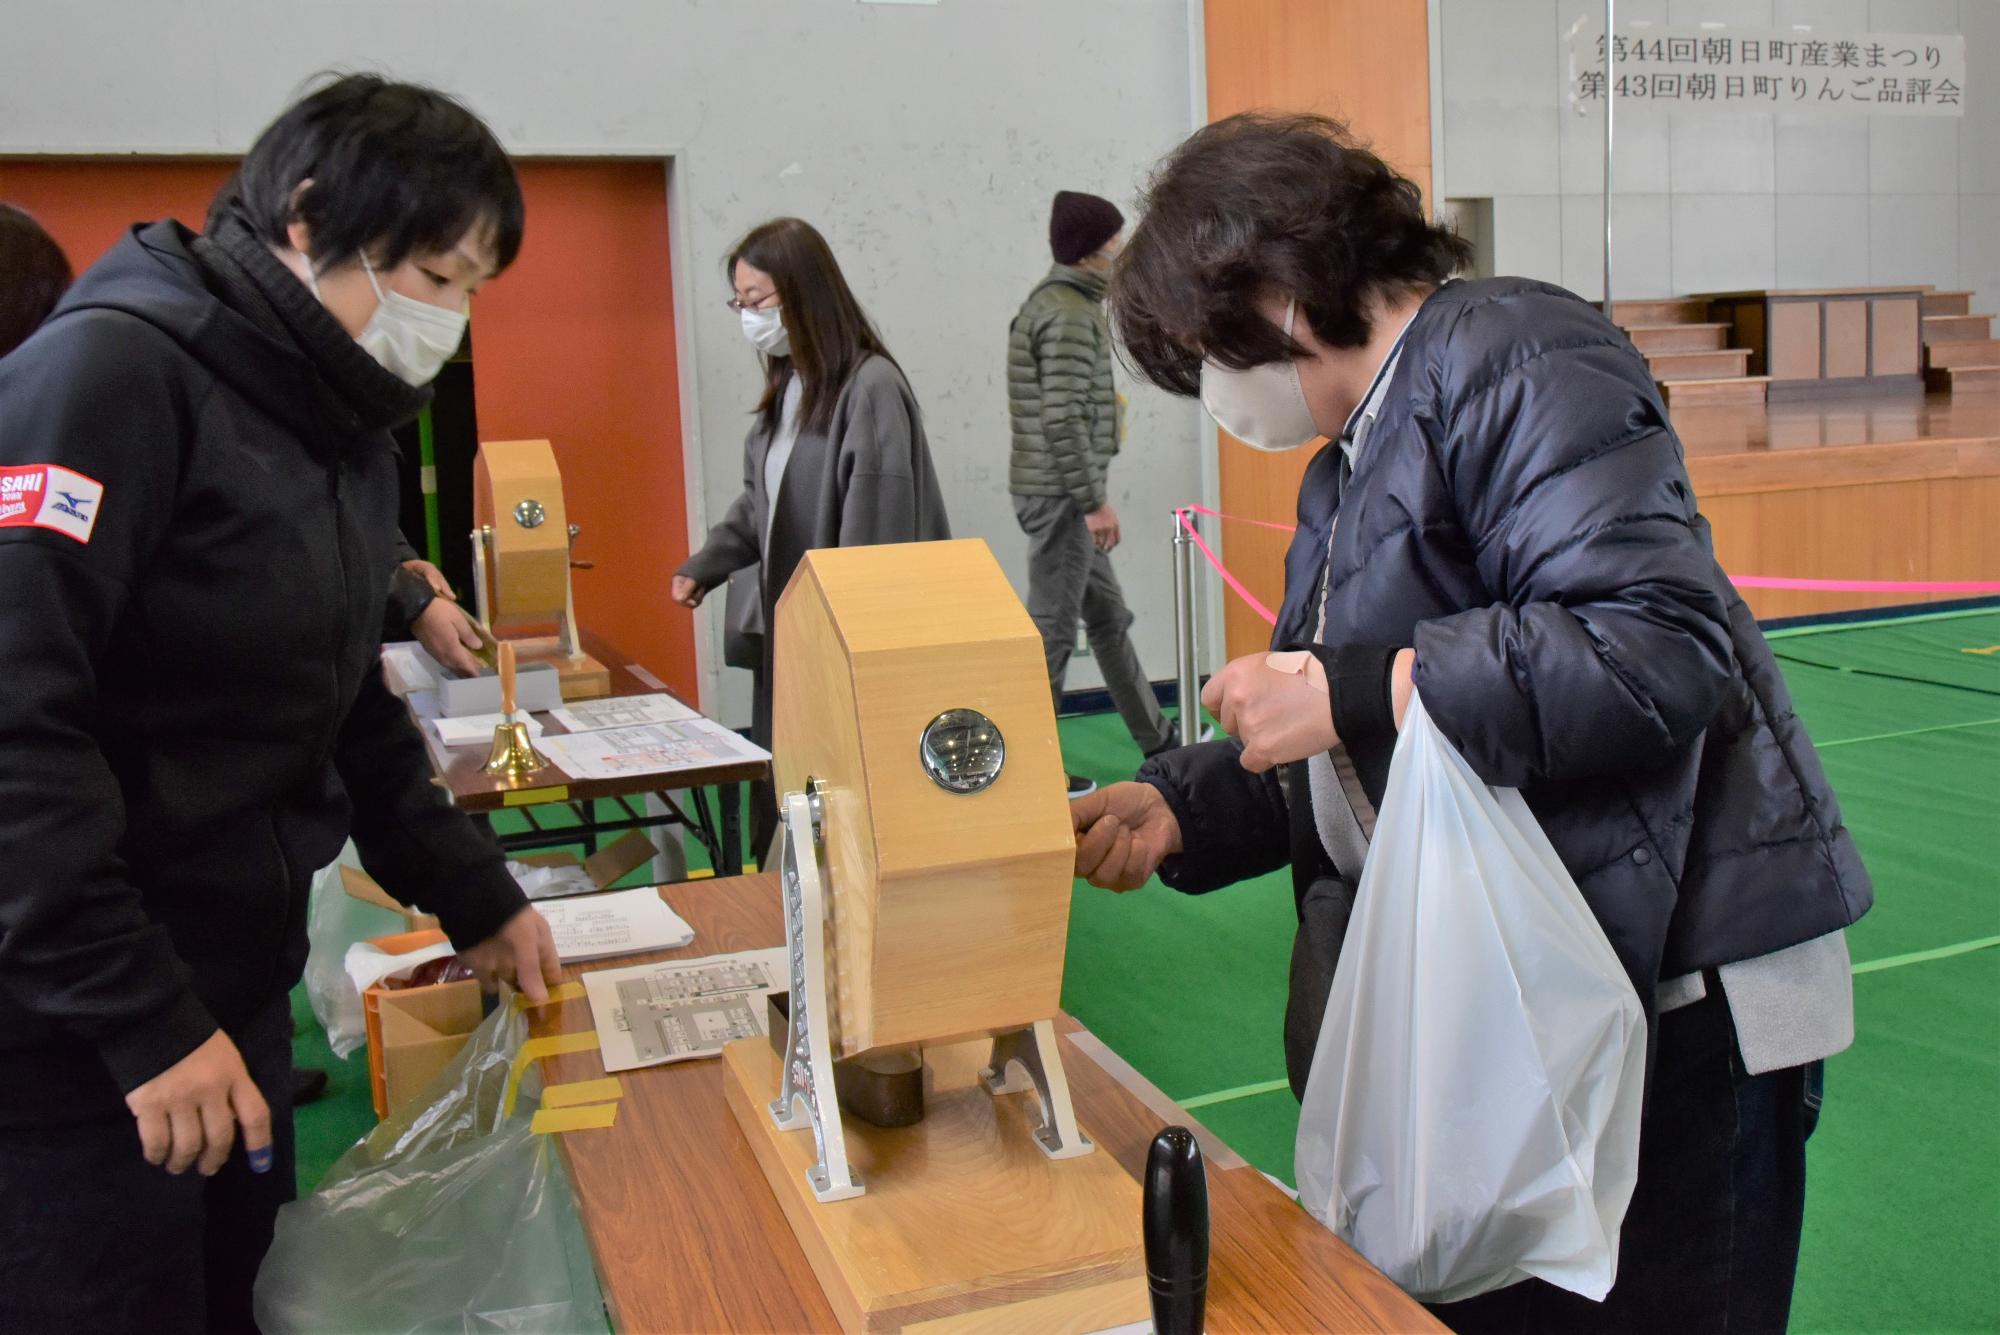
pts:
[654, 748]
[622, 711]
[618, 922]
[654, 1013]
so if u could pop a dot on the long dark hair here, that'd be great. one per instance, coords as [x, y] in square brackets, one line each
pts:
[829, 332]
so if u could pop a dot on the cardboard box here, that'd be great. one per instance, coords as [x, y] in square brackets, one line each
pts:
[422, 1029]
[359, 885]
[606, 867]
[413, 1031]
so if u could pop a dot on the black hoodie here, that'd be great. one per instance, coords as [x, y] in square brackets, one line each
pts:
[195, 525]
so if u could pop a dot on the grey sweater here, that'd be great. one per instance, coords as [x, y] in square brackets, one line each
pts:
[868, 479]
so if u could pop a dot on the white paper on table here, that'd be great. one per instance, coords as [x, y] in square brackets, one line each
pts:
[477, 729]
[654, 748]
[651, 1014]
[622, 711]
[617, 922]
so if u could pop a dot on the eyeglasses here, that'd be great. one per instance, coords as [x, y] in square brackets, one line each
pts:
[738, 305]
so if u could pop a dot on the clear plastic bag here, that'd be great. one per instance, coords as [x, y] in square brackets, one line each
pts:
[1472, 1116]
[336, 920]
[452, 1216]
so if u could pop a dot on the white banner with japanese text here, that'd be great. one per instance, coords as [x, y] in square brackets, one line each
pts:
[1718, 68]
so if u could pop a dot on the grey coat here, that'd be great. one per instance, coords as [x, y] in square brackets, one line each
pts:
[868, 479]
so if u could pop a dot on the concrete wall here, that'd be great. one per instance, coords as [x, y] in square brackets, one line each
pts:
[924, 140]
[1705, 201]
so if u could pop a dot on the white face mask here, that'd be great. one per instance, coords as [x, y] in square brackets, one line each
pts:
[411, 339]
[1265, 406]
[766, 331]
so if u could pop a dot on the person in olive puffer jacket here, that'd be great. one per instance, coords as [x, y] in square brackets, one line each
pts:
[1066, 428]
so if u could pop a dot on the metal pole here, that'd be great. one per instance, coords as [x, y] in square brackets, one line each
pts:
[1610, 113]
[427, 477]
[1187, 676]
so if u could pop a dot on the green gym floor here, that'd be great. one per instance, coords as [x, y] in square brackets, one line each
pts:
[1903, 1203]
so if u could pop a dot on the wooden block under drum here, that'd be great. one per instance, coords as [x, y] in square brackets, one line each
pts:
[964, 1226]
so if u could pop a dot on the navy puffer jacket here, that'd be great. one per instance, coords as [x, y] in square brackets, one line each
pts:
[1522, 516]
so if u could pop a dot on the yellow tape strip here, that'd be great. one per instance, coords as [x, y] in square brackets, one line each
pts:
[560, 992]
[534, 1049]
[593, 1117]
[533, 797]
[582, 1091]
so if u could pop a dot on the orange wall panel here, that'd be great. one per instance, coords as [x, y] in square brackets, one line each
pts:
[88, 203]
[1364, 62]
[575, 345]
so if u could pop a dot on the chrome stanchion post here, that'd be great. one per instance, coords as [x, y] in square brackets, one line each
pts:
[1187, 673]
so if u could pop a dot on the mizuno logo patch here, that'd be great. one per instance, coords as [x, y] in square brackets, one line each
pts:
[46, 496]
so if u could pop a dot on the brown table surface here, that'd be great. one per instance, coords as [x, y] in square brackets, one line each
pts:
[463, 768]
[688, 1236]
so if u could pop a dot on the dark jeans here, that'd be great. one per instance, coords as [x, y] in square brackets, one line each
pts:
[1711, 1241]
[1070, 580]
[95, 1239]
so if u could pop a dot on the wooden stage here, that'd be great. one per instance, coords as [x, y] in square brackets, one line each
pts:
[1900, 485]
[1897, 486]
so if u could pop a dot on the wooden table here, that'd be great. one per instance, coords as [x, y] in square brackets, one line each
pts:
[462, 772]
[688, 1236]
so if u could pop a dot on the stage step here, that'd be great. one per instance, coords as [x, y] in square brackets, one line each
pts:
[1947, 303]
[1650, 338]
[1735, 389]
[1665, 310]
[1962, 352]
[1963, 379]
[1957, 328]
[1711, 365]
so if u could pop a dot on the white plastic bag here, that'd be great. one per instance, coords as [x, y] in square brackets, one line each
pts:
[1472, 1116]
[336, 920]
[452, 1216]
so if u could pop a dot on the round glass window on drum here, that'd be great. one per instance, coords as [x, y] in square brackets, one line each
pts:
[963, 751]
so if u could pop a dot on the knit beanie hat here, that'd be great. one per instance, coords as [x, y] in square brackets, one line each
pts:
[1080, 224]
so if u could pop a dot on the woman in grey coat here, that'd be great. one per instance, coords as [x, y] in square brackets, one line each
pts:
[836, 457]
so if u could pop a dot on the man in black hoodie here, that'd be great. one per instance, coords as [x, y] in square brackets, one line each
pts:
[198, 496]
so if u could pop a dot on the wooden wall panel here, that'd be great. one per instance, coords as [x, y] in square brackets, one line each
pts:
[1846, 338]
[1898, 342]
[1367, 63]
[1794, 349]
[1931, 529]
[1964, 537]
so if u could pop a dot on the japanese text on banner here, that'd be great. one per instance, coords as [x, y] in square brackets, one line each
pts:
[1796, 69]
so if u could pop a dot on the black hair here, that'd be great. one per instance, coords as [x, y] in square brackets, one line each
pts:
[33, 275]
[1266, 201]
[396, 169]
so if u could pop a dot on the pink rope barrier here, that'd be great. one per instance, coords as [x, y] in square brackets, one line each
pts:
[1960, 586]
